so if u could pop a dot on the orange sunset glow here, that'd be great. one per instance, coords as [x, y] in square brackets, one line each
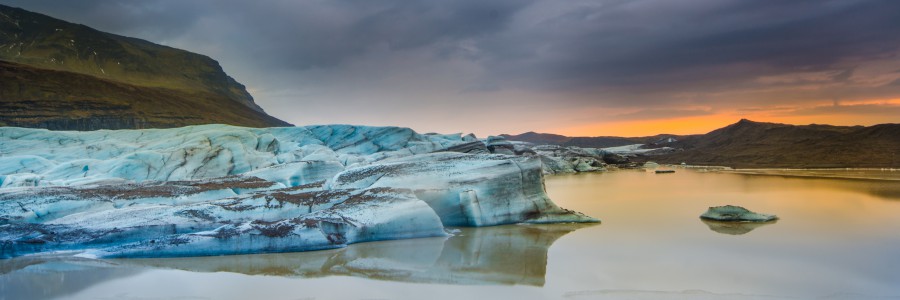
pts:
[876, 112]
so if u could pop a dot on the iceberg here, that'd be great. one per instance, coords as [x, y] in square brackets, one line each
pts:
[731, 213]
[571, 159]
[218, 189]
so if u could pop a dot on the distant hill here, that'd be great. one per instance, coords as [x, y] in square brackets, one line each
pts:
[587, 142]
[748, 144]
[538, 138]
[59, 75]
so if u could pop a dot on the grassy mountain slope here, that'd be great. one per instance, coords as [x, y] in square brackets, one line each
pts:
[34, 97]
[159, 86]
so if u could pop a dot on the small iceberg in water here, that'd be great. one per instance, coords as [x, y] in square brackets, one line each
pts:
[731, 213]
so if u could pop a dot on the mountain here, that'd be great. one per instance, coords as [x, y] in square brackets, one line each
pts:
[59, 75]
[538, 138]
[748, 144]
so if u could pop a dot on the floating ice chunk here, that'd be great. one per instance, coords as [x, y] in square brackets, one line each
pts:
[733, 213]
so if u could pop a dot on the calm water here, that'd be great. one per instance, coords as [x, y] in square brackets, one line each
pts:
[836, 239]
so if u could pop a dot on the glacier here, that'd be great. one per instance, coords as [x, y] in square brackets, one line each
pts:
[218, 189]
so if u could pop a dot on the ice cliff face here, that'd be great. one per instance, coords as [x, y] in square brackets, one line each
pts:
[217, 189]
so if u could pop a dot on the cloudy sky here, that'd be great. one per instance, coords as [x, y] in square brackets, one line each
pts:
[587, 68]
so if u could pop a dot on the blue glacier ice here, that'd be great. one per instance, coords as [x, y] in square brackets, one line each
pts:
[218, 189]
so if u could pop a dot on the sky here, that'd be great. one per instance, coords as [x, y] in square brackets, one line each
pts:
[578, 68]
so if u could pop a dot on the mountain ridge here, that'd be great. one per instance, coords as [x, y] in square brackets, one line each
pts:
[750, 144]
[588, 141]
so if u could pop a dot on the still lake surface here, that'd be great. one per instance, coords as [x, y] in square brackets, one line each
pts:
[836, 239]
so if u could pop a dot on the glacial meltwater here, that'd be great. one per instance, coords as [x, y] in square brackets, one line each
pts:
[836, 238]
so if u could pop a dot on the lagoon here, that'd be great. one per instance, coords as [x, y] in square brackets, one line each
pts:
[837, 238]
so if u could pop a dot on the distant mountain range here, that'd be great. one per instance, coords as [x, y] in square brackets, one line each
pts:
[588, 142]
[748, 144]
[59, 75]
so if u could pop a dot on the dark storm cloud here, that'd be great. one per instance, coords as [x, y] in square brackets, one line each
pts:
[294, 34]
[718, 44]
[152, 19]
[306, 34]
[615, 43]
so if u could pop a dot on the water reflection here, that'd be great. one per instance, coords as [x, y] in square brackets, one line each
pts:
[887, 190]
[489, 255]
[474, 256]
[734, 228]
[834, 235]
[883, 183]
[706, 295]
[49, 277]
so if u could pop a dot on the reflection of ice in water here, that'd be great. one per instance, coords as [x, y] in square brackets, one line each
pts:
[665, 295]
[702, 295]
[49, 276]
[489, 255]
[734, 228]
[474, 256]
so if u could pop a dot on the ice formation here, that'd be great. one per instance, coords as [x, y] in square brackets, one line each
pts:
[218, 189]
[731, 213]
